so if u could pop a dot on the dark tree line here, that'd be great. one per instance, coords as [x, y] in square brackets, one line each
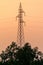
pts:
[16, 55]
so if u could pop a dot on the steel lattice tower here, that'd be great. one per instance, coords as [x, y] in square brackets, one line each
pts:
[20, 33]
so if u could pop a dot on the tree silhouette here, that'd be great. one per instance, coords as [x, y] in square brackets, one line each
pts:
[26, 55]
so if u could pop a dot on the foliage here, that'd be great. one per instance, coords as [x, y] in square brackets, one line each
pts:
[16, 55]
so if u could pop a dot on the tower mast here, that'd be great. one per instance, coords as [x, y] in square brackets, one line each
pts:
[20, 34]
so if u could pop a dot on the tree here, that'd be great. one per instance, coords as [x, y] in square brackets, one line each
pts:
[26, 55]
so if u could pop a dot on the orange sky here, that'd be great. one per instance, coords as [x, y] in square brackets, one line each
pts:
[33, 22]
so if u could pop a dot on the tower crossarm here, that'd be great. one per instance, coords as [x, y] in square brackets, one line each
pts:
[21, 12]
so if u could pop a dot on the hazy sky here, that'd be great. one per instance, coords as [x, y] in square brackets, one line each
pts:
[33, 27]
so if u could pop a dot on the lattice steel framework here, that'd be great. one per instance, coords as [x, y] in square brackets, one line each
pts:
[20, 33]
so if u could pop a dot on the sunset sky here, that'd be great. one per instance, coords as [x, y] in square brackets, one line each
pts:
[33, 27]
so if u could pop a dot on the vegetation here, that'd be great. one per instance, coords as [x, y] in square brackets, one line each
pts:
[26, 55]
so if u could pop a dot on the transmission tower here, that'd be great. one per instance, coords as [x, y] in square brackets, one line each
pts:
[20, 33]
